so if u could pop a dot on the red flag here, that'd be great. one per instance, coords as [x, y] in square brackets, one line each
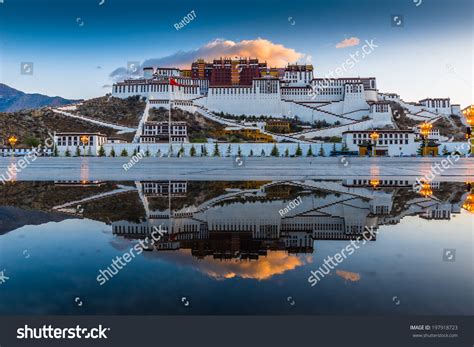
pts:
[174, 83]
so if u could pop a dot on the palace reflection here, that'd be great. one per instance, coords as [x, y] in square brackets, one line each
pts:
[237, 220]
[244, 223]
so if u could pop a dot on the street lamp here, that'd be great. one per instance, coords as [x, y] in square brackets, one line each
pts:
[374, 183]
[85, 141]
[468, 113]
[426, 190]
[374, 136]
[12, 140]
[425, 129]
[469, 203]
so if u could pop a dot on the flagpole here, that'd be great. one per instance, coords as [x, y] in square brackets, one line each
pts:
[169, 121]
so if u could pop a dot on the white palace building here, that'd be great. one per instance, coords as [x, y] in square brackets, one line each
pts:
[346, 104]
[336, 100]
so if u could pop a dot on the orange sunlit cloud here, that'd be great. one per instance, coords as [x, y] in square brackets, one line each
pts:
[353, 41]
[348, 276]
[275, 263]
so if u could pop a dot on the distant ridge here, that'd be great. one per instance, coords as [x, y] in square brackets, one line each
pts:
[12, 100]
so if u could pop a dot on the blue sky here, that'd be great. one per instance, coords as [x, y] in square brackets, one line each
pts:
[431, 55]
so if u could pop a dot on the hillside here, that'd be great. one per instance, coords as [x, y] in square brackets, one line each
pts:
[38, 123]
[126, 112]
[451, 126]
[12, 100]
[199, 127]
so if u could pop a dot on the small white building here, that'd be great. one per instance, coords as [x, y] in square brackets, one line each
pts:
[154, 132]
[390, 142]
[440, 105]
[73, 140]
[381, 113]
[433, 134]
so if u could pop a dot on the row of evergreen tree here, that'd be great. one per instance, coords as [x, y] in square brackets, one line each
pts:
[275, 152]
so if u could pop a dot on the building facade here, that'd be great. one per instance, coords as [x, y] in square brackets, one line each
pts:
[85, 143]
[389, 142]
[156, 132]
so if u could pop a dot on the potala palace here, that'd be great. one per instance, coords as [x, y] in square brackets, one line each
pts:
[247, 87]
[236, 92]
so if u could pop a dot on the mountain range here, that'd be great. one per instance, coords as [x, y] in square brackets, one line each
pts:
[12, 100]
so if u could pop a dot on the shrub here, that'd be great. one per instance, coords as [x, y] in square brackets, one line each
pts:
[32, 141]
[124, 153]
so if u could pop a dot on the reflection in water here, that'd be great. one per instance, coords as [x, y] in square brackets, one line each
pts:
[243, 223]
[226, 231]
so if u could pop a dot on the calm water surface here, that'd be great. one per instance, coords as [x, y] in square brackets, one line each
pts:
[232, 248]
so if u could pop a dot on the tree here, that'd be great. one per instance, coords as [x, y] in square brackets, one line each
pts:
[333, 148]
[251, 153]
[204, 151]
[101, 151]
[192, 151]
[275, 152]
[181, 151]
[229, 150]
[298, 152]
[420, 149]
[55, 151]
[321, 151]
[32, 141]
[287, 152]
[112, 152]
[147, 152]
[262, 153]
[310, 152]
[344, 146]
[78, 152]
[124, 153]
[445, 150]
[89, 152]
[68, 152]
[216, 151]
[134, 152]
[239, 152]
[170, 151]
